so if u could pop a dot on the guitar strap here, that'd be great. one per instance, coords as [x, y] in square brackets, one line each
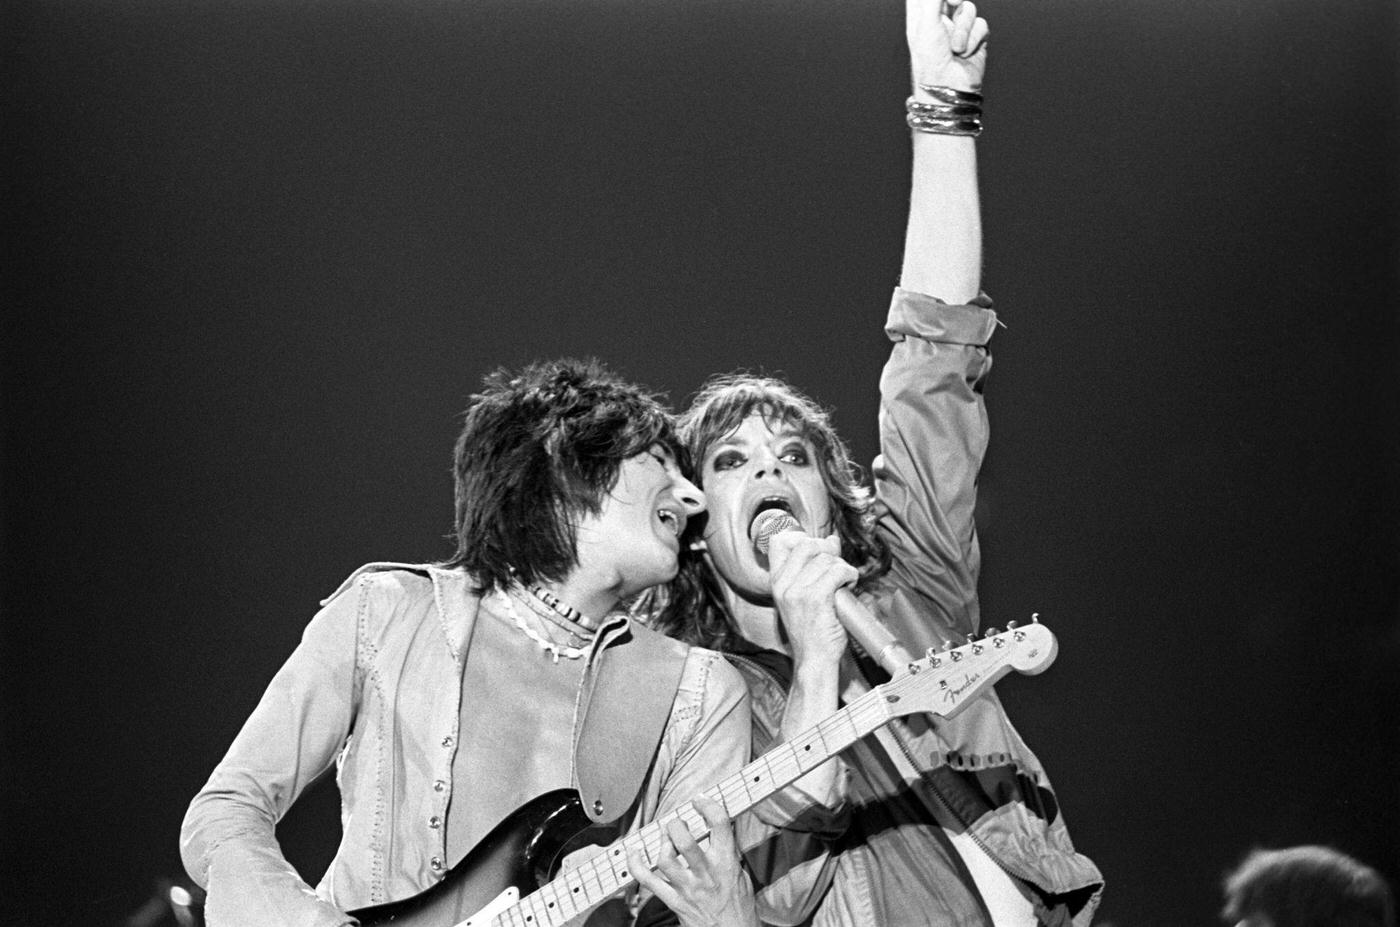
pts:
[625, 703]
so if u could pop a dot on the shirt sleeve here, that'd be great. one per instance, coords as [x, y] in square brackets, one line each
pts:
[933, 438]
[227, 839]
[716, 742]
[706, 741]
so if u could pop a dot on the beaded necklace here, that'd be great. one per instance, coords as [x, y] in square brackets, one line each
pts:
[568, 619]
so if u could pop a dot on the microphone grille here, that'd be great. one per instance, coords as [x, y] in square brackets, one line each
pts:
[768, 523]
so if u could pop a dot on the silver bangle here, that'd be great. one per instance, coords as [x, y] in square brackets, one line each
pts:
[950, 95]
[968, 126]
[924, 108]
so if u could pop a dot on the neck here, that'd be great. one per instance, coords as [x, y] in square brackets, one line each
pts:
[586, 595]
[756, 620]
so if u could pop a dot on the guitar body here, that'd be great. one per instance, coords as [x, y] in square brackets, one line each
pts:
[523, 852]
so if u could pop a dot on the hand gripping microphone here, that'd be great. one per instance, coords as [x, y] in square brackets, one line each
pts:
[873, 637]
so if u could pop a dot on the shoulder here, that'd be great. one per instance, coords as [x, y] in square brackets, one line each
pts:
[382, 595]
[712, 677]
[385, 577]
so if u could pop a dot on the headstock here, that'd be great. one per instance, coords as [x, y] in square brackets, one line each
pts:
[943, 681]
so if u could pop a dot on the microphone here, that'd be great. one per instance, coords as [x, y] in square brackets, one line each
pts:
[859, 622]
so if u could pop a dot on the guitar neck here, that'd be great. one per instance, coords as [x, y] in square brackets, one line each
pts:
[941, 683]
[605, 874]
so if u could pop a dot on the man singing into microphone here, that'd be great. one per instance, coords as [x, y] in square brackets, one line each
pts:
[946, 823]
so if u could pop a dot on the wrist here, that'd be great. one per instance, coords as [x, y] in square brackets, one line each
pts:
[817, 673]
[955, 75]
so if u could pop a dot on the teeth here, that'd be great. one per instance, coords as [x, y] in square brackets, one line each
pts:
[669, 519]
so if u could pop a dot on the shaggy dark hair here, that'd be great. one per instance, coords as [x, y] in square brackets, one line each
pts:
[693, 607]
[538, 450]
[1308, 886]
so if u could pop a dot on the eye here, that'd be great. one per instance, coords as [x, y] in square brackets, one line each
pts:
[796, 455]
[727, 460]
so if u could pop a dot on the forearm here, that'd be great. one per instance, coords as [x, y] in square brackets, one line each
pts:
[228, 838]
[814, 698]
[943, 241]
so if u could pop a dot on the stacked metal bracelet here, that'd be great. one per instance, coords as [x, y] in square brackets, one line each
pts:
[951, 112]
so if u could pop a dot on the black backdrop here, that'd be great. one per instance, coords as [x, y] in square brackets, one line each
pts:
[260, 254]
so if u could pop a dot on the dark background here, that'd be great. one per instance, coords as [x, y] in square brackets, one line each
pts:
[261, 253]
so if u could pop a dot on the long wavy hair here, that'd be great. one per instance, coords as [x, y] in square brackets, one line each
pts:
[692, 606]
[537, 451]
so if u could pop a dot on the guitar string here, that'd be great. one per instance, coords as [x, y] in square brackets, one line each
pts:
[855, 716]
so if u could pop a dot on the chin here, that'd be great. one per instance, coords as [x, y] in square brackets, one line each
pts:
[749, 580]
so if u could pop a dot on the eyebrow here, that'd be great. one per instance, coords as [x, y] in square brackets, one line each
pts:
[785, 435]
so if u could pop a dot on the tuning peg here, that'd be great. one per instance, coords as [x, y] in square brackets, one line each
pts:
[933, 660]
[1011, 626]
[1035, 617]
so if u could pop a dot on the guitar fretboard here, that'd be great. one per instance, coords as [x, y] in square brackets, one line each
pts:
[605, 874]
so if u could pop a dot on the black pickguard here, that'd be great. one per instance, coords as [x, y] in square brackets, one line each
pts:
[525, 850]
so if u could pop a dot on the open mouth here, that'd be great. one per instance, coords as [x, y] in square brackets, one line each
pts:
[671, 520]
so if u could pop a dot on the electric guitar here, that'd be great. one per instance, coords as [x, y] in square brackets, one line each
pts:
[526, 849]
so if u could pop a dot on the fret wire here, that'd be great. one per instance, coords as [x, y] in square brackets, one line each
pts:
[768, 769]
[535, 917]
[823, 752]
[650, 839]
[693, 820]
[748, 792]
[732, 799]
[572, 890]
[756, 774]
[781, 759]
[595, 869]
[549, 894]
[617, 865]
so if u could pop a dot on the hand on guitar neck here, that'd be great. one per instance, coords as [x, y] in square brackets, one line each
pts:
[704, 886]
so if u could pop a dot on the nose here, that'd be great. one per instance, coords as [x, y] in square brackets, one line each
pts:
[688, 495]
[765, 463]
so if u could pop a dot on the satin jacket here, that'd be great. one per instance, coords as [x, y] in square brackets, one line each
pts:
[893, 863]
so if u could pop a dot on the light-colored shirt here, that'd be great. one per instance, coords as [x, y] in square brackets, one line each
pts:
[375, 689]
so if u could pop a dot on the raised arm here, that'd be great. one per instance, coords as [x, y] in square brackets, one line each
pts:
[933, 421]
[943, 243]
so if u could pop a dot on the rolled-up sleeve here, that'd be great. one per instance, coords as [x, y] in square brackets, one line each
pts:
[933, 438]
[227, 840]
